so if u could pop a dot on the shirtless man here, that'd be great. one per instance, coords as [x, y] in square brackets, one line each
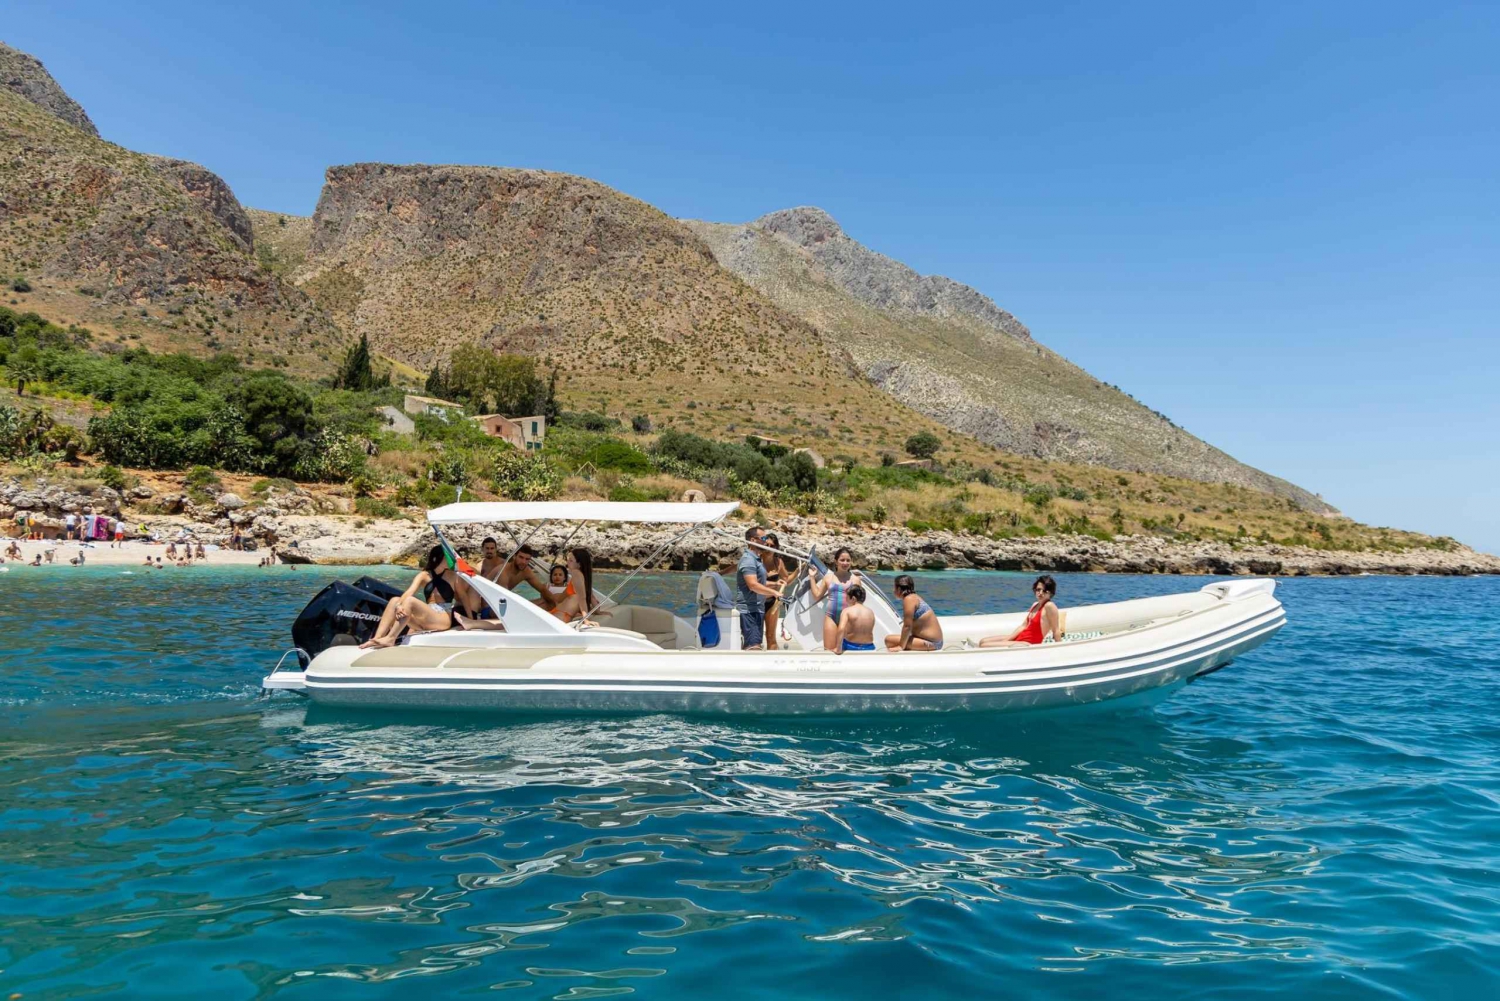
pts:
[519, 569]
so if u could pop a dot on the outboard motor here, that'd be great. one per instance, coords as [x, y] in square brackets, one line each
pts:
[341, 614]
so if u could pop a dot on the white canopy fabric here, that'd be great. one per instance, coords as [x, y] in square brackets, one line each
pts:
[660, 512]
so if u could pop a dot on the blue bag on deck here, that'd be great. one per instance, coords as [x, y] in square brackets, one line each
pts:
[708, 629]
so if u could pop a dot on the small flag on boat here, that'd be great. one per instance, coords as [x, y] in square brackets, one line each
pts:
[455, 561]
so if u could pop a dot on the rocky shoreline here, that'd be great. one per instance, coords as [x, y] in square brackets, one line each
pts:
[301, 532]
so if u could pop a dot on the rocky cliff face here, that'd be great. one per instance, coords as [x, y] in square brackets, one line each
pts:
[629, 304]
[950, 353]
[517, 258]
[25, 76]
[879, 281]
[111, 229]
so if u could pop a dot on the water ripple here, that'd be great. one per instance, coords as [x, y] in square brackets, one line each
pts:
[1326, 811]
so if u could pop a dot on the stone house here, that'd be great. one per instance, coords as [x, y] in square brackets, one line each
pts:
[526, 433]
[396, 420]
[428, 405]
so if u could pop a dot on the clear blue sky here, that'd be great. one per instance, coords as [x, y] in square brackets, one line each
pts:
[1276, 223]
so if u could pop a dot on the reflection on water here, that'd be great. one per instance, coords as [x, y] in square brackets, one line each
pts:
[1313, 820]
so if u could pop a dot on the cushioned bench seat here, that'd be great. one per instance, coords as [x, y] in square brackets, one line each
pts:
[656, 624]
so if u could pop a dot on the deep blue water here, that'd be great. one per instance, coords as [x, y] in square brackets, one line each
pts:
[1321, 819]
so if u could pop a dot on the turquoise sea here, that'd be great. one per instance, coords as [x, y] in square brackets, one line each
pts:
[1319, 820]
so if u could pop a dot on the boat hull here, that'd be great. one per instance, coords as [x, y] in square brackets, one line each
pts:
[1137, 666]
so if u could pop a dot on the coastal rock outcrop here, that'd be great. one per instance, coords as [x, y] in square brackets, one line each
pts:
[56, 500]
[898, 548]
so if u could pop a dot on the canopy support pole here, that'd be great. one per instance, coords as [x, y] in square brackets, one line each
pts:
[520, 544]
[651, 559]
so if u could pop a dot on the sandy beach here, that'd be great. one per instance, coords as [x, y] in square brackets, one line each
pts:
[126, 554]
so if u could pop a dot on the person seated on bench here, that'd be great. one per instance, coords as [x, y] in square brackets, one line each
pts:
[579, 601]
[557, 581]
[856, 623]
[510, 575]
[920, 629]
[1042, 619]
[442, 589]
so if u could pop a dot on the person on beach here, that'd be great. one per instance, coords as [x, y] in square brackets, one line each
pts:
[1042, 619]
[13, 551]
[200, 553]
[172, 551]
[433, 612]
[834, 586]
[776, 576]
[149, 563]
[920, 629]
[751, 590]
[70, 525]
[578, 600]
[857, 623]
[36, 561]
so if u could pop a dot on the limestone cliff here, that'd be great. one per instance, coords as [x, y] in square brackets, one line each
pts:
[116, 235]
[25, 76]
[947, 351]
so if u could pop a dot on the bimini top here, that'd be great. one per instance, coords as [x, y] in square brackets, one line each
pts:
[661, 512]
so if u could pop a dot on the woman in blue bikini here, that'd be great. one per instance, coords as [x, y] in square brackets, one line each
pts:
[919, 623]
[834, 585]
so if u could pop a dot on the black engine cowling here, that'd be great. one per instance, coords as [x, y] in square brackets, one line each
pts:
[341, 613]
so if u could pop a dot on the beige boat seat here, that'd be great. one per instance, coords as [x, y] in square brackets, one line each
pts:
[656, 624]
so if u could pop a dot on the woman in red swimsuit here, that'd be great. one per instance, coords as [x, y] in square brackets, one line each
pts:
[1041, 619]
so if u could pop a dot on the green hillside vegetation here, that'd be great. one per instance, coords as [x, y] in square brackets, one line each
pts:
[177, 411]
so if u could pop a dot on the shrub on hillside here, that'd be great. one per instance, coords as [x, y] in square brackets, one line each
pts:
[923, 445]
[585, 420]
[579, 447]
[112, 477]
[802, 471]
[172, 433]
[525, 476]
[277, 414]
[374, 507]
[11, 441]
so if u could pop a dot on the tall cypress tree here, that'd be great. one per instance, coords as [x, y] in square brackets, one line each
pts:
[437, 383]
[549, 406]
[354, 371]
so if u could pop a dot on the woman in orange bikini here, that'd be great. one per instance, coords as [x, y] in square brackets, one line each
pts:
[1042, 619]
[573, 605]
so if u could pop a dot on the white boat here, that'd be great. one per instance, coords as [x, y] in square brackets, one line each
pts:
[647, 659]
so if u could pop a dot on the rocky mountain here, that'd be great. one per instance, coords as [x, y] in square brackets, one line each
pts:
[24, 75]
[949, 352]
[785, 326]
[156, 247]
[883, 283]
[628, 304]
